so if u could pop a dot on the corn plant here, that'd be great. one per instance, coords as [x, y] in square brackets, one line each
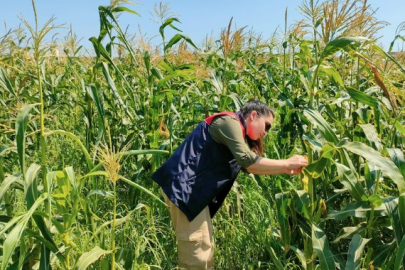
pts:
[66, 118]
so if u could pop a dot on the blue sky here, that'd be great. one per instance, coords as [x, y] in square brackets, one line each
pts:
[198, 18]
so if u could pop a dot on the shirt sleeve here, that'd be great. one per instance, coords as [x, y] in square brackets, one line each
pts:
[226, 129]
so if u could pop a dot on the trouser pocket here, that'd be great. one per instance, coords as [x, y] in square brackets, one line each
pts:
[189, 242]
[195, 250]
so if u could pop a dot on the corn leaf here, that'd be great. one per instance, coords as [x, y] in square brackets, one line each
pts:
[332, 72]
[122, 9]
[31, 198]
[338, 44]
[302, 203]
[392, 207]
[92, 91]
[6, 184]
[283, 201]
[382, 52]
[5, 149]
[384, 164]
[168, 22]
[77, 140]
[382, 252]
[315, 169]
[362, 97]
[312, 141]
[5, 82]
[372, 136]
[103, 193]
[114, 89]
[141, 188]
[397, 156]
[300, 256]
[400, 256]
[90, 257]
[276, 259]
[14, 237]
[359, 210]
[316, 118]
[349, 180]
[355, 250]
[321, 247]
[400, 127]
[10, 224]
[45, 242]
[401, 212]
[348, 232]
[31, 188]
[144, 152]
[70, 173]
[21, 126]
[176, 38]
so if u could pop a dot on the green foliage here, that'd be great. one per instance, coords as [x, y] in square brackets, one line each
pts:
[90, 257]
[66, 211]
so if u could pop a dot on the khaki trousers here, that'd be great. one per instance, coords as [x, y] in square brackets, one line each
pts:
[195, 242]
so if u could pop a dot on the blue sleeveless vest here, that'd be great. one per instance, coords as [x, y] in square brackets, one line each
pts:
[201, 171]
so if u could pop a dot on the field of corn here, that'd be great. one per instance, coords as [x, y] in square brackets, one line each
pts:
[80, 135]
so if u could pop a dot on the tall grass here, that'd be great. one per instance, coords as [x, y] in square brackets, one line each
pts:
[100, 125]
